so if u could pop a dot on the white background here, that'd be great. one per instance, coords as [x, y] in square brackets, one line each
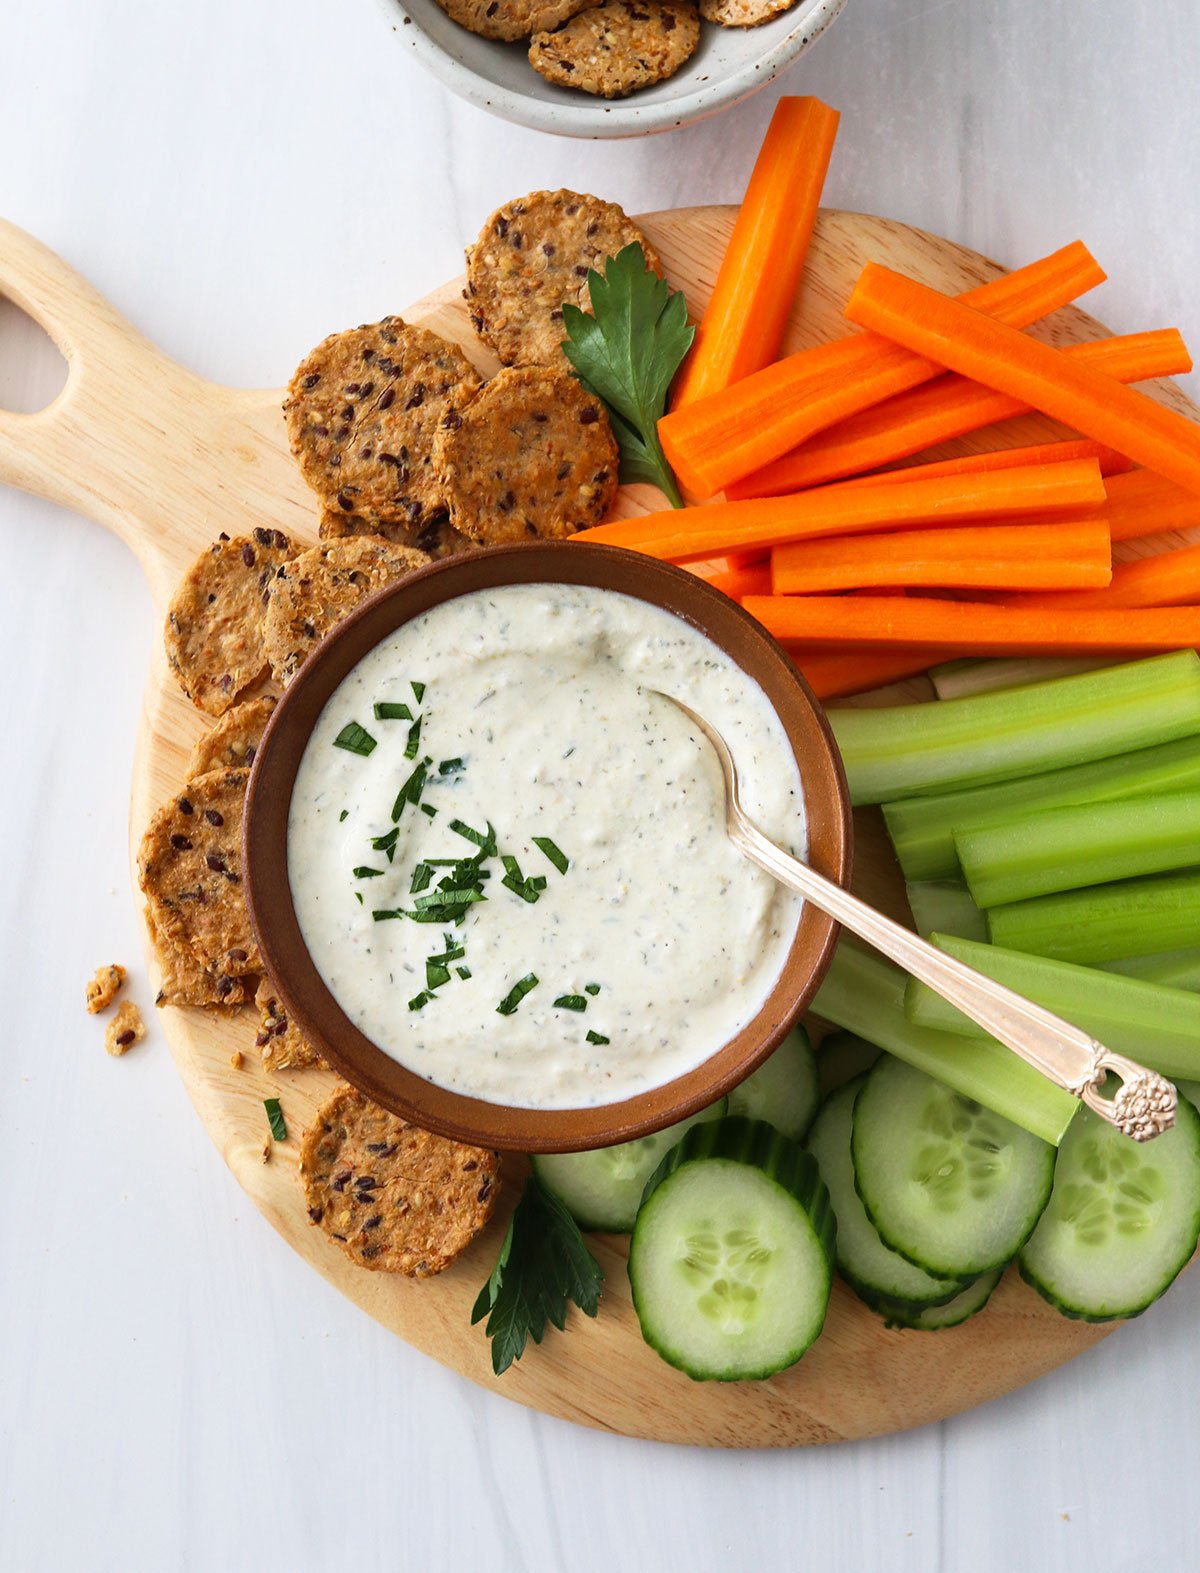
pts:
[177, 1390]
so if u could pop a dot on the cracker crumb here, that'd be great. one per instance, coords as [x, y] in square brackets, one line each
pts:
[104, 987]
[125, 1029]
[266, 1150]
[237, 1059]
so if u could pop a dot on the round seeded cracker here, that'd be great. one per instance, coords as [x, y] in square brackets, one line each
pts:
[397, 1198]
[231, 744]
[314, 591]
[534, 456]
[214, 623]
[283, 1046]
[743, 13]
[532, 255]
[618, 46]
[509, 19]
[361, 412]
[437, 539]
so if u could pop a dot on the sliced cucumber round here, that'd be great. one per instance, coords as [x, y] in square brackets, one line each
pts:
[1122, 1221]
[876, 1275]
[931, 1318]
[783, 1090]
[948, 1184]
[602, 1189]
[731, 1259]
[841, 1057]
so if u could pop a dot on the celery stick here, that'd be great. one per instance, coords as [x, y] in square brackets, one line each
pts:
[906, 750]
[958, 679]
[922, 828]
[1158, 1026]
[945, 905]
[865, 994]
[1178, 969]
[1133, 917]
[1091, 844]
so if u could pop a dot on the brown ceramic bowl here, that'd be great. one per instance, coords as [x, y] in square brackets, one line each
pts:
[304, 994]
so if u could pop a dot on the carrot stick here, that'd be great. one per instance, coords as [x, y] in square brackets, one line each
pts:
[726, 435]
[734, 576]
[856, 672]
[1068, 556]
[1110, 462]
[1143, 503]
[927, 624]
[1168, 579]
[950, 407]
[747, 313]
[680, 535]
[974, 345]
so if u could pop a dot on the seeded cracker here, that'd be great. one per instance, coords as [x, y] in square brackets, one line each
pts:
[104, 987]
[361, 412]
[125, 1029]
[320, 587]
[185, 981]
[618, 46]
[190, 870]
[437, 539]
[509, 19]
[396, 1198]
[742, 13]
[534, 456]
[231, 744]
[532, 255]
[214, 624]
[283, 1046]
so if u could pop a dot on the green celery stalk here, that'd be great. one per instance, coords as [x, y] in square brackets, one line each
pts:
[945, 906]
[1090, 844]
[980, 675]
[1133, 917]
[1178, 969]
[907, 750]
[864, 994]
[922, 828]
[1160, 1027]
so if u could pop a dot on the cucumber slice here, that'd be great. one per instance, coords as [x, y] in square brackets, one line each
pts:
[931, 1318]
[1122, 1221]
[602, 1189]
[783, 1090]
[731, 1259]
[841, 1057]
[876, 1275]
[948, 1184]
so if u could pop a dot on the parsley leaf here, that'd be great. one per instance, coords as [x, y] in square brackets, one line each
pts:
[626, 353]
[542, 1265]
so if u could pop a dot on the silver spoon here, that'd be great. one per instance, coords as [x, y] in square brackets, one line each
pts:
[1144, 1105]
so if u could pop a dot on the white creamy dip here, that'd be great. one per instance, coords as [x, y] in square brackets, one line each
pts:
[671, 939]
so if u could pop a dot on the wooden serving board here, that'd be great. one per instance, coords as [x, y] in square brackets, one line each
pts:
[167, 460]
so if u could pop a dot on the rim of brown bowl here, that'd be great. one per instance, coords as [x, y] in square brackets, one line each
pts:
[300, 986]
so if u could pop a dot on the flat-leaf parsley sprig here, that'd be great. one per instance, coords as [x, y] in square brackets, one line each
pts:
[542, 1266]
[626, 353]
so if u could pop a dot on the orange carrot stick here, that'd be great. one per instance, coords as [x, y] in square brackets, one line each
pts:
[857, 672]
[726, 435]
[1168, 579]
[690, 533]
[1143, 503]
[1060, 556]
[910, 623]
[950, 407]
[1110, 462]
[977, 346]
[747, 313]
[734, 576]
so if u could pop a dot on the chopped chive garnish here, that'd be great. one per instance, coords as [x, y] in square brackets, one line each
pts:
[275, 1119]
[411, 791]
[591, 988]
[358, 897]
[419, 690]
[354, 738]
[393, 912]
[364, 871]
[421, 877]
[345, 813]
[512, 868]
[414, 740]
[570, 1002]
[449, 896]
[387, 711]
[436, 973]
[529, 890]
[428, 808]
[559, 858]
[597, 1037]
[479, 837]
[450, 767]
[420, 1000]
[516, 994]
[386, 843]
[463, 972]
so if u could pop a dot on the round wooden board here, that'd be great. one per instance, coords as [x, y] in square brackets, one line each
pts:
[168, 460]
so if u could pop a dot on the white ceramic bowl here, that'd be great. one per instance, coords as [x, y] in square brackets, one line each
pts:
[730, 64]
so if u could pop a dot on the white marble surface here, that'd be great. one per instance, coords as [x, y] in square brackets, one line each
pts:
[177, 1390]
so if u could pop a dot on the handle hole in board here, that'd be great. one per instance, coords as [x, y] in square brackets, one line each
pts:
[32, 370]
